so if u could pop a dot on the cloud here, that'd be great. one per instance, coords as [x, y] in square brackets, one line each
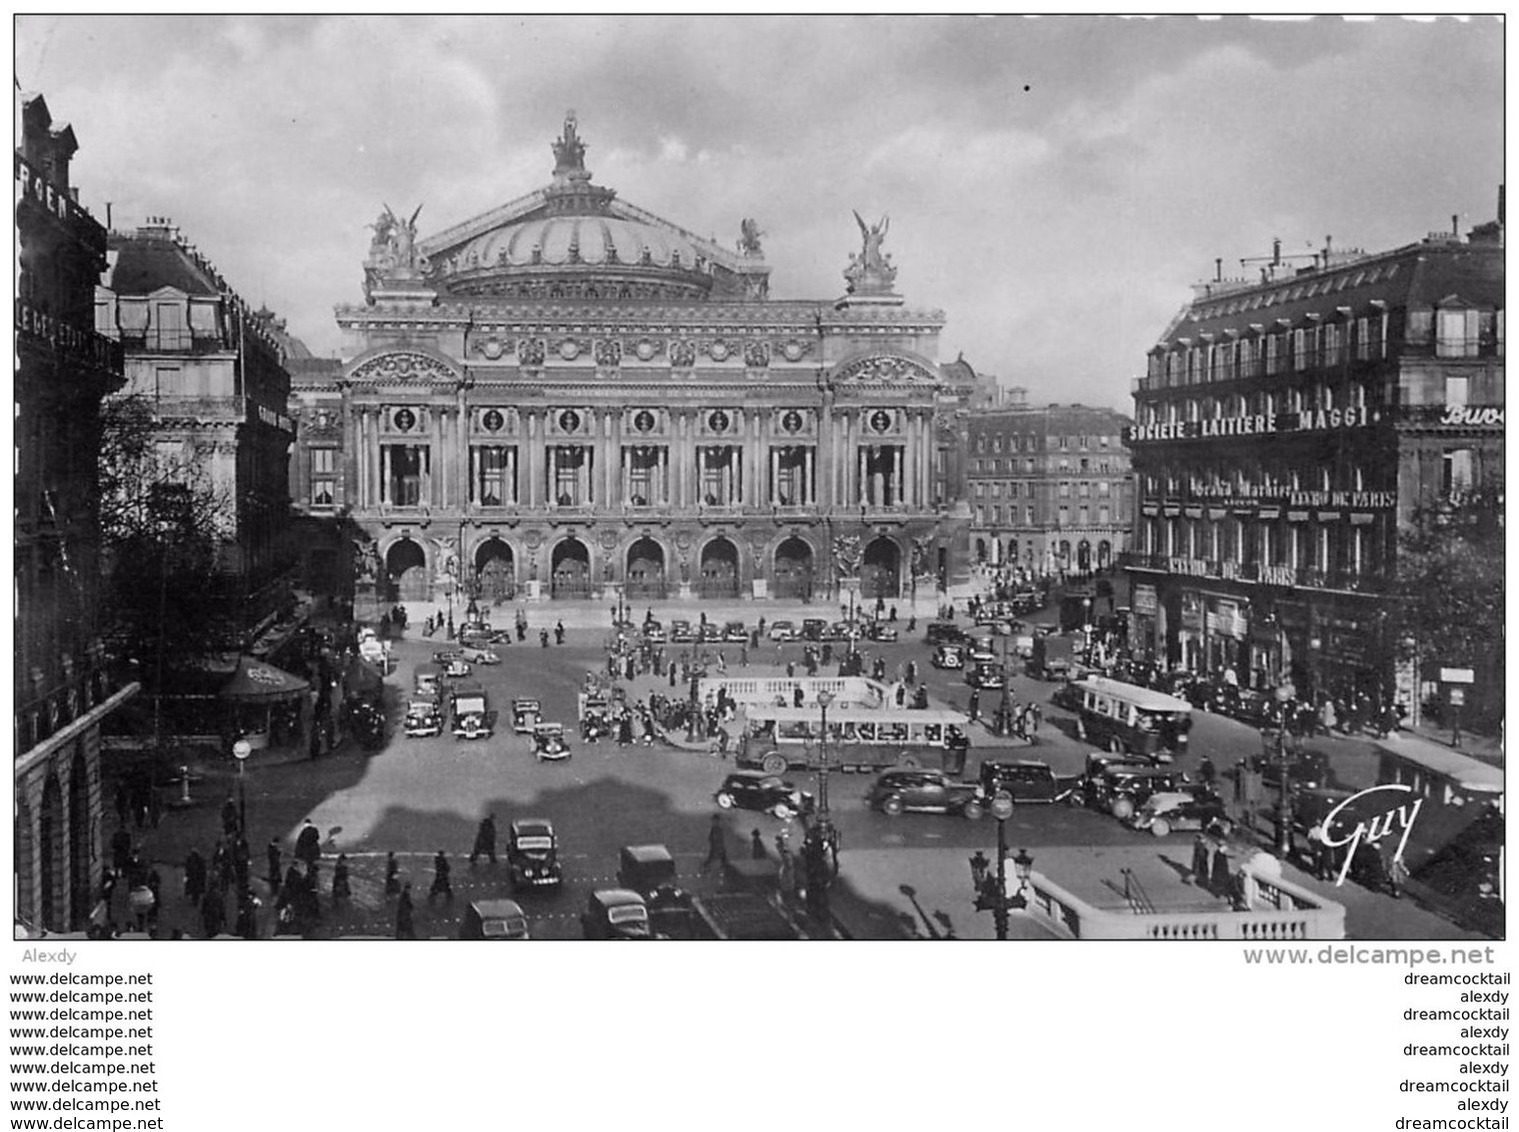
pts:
[1054, 184]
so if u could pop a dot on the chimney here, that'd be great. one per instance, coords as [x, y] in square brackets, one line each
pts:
[1455, 225]
[1276, 252]
[1218, 270]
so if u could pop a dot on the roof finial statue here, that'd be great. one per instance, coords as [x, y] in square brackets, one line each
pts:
[870, 272]
[393, 251]
[569, 152]
[749, 237]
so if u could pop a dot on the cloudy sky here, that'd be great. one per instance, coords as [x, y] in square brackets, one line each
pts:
[1054, 184]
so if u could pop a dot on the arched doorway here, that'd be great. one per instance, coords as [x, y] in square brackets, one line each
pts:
[495, 571]
[980, 550]
[880, 570]
[719, 570]
[51, 853]
[79, 840]
[1104, 554]
[1084, 557]
[793, 569]
[570, 570]
[646, 571]
[406, 567]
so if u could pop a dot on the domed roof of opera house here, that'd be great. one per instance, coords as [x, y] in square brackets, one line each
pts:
[573, 238]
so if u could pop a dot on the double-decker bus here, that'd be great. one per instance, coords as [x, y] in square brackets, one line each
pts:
[859, 738]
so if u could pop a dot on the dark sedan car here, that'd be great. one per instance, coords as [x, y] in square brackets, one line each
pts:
[929, 791]
[532, 854]
[1026, 780]
[763, 793]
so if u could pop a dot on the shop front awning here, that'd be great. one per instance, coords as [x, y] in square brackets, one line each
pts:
[257, 682]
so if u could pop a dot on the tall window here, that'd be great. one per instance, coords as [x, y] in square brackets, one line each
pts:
[1456, 389]
[1457, 334]
[406, 471]
[169, 327]
[1456, 472]
[493, 479]
[324, 476]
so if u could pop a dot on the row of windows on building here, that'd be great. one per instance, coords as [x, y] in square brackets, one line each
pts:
[1083, 488]
[993, 516]
[1352, 395]
[1268, 478]
[646, 476]
[1458, 333]
[1332, 548]
[1034, 442]
[1082, 557]
[994, 466]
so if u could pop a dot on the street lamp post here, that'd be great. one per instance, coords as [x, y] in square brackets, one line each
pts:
[1284, 693]
[240, 751]
[1004, 720]
[820, 850]
[991, 885]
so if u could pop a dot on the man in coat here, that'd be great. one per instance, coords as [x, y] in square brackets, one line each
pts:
[485, 840]
[308, 843]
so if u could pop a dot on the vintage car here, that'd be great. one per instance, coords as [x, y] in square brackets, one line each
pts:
[1067, 696]
[444, 656]
[1170, 810]
[734, 633]
[927, 791]
[985, 676]
[981, 650]
[477, 655]
[476, 634]
[944, 633]
[428, 680]
[525, 715]
[846, 631]
[709, 633]
[494, 919]
[373, 650]
[1024, 780]
[1306, 770]
[653, 632]
[948, 656]
[456, 669]
[881, 631]
[1121, 786]
[615, 913]
[424, 717]
[763, 793]
[681, 633]
[813, 629]
[548, 742]
[472, 716]
[532, 854]
[783, 631]
[649, 870]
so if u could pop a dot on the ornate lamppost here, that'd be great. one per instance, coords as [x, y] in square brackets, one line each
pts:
[820, 850]
[990, 885]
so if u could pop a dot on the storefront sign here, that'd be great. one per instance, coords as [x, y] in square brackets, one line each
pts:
[1203, 568]
[1458, 676]
[1254, 424]
[1145, 600]
[1464, 415]
[1278, 575]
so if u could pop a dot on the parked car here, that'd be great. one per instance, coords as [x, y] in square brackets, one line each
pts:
[846, 631]
[734, 633]
[447, 656]
[981, 650]
[424, 717]
[814, 629]
[549, 743]
[681, 633]
[474, 655]
[927, 791]
[494, 919]
[457, 669]
[1306, 770]
[1025, 780]
[783, 631]
[948, 656]
[763, 793]
[428, 679]
[709, 633]
[532, 854]
[1168, 810]
[476, 634]
[525, 715]
[654, 632]
[615, 913]
[987, 677]
[881, 631]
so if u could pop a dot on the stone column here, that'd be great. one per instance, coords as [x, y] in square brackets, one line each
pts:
[551, 470]
[809, 489]
[533, 462]
[384, 474]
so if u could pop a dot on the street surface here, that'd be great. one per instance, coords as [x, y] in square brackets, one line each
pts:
[418, 796]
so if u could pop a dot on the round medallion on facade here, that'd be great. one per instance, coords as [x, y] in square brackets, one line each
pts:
[405, 420]
[493, 348]
[493, 420]
[881, 420]
[718, 421]
[719, 350]
[792, 421]
[569, 421]
[645, 349]
[644, 421]
[793, 351]
[569, 349]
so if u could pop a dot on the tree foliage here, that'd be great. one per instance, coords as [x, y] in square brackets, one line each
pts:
[162, 522]
[1450, 584]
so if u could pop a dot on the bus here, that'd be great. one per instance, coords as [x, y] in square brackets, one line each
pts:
[1456, 844]
[1128, 719]
[777, 739]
